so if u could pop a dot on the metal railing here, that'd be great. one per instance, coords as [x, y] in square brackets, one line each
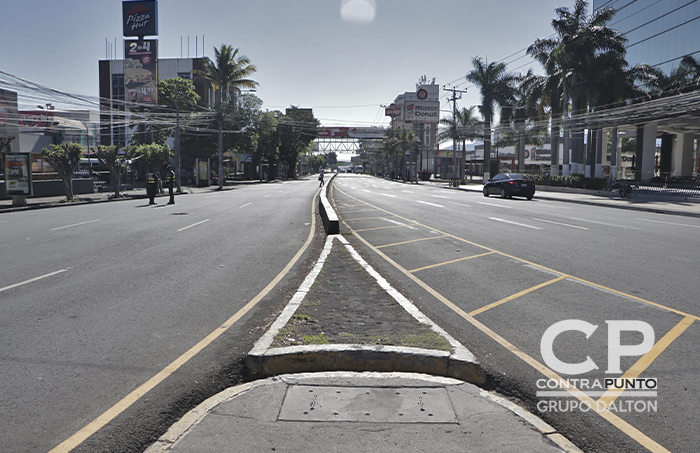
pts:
[686, 188]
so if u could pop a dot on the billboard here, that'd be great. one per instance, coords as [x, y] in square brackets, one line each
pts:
[141, 71]
[140, 18]
[18, 174]
[423, 111]
[351, 132]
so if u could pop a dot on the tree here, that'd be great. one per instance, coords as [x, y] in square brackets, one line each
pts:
[174, 95]
[64, 158]
[228, 73]
[397, 141]
[5, 142]
[116, 161]
[579, 43]
[463, 127]
[296, 129]
[267, 142]
[152, 154]
[330, 159]
[496, 87]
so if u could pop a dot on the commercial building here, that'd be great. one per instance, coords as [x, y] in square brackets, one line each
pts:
[418, 111]
[115, 117]
[660, 34]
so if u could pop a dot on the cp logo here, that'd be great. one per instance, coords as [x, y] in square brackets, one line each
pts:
[615, 349]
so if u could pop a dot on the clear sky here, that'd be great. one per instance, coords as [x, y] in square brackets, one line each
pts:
[343, 58]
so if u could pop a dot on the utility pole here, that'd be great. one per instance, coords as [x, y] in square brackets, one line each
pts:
[454, 99]
[178, 178]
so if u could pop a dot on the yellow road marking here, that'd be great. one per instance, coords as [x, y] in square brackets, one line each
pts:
[451, 262]
[613, 419]
[647, 359]
[111, 413]
[539, 266]
[515, 296]
[410, 242]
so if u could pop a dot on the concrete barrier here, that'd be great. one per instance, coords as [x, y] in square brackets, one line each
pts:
[330, 219]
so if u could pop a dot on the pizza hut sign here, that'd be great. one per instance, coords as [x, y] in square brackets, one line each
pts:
[140, 18]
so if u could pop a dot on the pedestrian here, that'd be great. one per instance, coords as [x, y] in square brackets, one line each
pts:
[170, 182]
[320, 178]
[151, 185]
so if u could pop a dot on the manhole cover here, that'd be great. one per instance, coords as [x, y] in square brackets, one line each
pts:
[356, 404]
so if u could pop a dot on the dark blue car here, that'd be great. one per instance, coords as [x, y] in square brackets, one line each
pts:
[508, 185]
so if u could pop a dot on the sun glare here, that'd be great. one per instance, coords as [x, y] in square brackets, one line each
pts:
[358, 11]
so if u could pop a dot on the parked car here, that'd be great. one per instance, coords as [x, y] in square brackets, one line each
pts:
[508, 185]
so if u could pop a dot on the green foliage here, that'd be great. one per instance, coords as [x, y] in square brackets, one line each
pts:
[178, 90]
[296, 130]
[576, 181]
[116, 161]
[64, 158]
[154, 155]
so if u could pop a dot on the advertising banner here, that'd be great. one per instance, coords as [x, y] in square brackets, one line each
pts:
[351, 132]
[141, 71]
[36, 118]
[18, 174]
[423, 112]
[140, 18]
[8, 119]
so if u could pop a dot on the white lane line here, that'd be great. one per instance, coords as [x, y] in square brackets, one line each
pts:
[459, 204]
[267, 195]
[430, 204]
[562, 224]
[515, 223]
[496, 205]
[75, 224]
[669, 223]
[387, 195]
[193, 225]
[407, 191]
[367, 190]
[396, 222]
[439, 196]
[33, 279]
[603, 223]
[247, 204]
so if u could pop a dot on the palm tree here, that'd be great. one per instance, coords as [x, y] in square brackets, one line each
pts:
[463, 126]
[496, 86]
[548, 90]
[228, 73]
[580, 40]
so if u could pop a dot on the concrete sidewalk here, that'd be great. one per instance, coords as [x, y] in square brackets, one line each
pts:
[358, 397]
[359, 412]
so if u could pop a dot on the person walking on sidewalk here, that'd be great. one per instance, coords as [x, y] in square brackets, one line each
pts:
[320, 178]
[151, 185]
[170, 182]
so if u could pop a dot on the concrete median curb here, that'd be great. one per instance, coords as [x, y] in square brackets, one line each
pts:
[298, 359]
[265, 360]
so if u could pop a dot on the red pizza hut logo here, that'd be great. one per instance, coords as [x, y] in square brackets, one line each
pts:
[138, 17]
